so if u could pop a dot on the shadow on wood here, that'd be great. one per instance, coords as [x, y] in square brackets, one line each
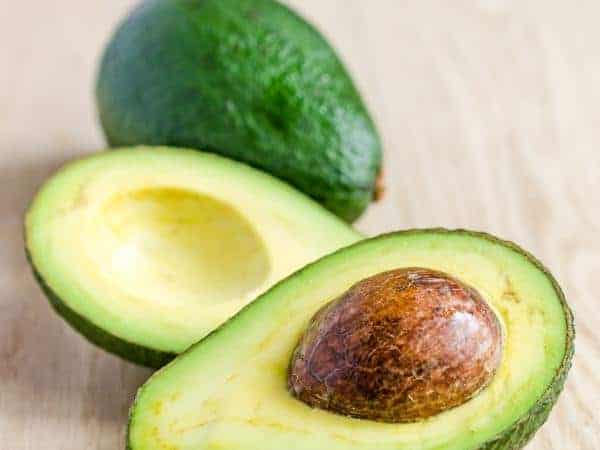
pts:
[41, 358]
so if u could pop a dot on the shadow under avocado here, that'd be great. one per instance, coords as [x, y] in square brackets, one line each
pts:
[47, 370]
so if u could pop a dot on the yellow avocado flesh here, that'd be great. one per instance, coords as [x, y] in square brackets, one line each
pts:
[230, 390]
[160, 246]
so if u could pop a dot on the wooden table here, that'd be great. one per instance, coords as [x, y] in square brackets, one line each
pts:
[490, 116]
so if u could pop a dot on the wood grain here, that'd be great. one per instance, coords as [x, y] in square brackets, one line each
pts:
[490, 118]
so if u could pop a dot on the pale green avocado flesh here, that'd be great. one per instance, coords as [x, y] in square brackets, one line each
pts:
[147, 250]
[229, 391]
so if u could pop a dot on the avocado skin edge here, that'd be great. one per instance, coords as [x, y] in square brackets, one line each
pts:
[519, 433]
[129, 351]
[250, 80]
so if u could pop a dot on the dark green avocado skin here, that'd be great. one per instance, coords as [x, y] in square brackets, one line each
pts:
[248, 79]
[135, 353]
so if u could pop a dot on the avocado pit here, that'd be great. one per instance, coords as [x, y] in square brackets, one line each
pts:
[400, 346]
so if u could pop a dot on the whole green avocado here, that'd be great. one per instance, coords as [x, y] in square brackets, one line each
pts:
[249, 79]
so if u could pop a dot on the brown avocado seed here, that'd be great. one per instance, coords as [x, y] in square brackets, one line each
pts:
[399, 346]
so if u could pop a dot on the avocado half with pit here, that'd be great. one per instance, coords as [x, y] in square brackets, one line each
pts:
[427, 339]
[146, 250]
[248, 79]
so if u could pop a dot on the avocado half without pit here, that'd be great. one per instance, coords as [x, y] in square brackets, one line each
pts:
[147, 250]
[424, 339]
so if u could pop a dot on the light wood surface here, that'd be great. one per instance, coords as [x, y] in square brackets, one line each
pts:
[490, 116]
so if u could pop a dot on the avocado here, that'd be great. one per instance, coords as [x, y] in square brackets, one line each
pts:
[146, 250]
[248, 79]
[421, 339]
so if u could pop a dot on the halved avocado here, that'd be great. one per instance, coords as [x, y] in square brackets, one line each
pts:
[147, 250]
[232, 391]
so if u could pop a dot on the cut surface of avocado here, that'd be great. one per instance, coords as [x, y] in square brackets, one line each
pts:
[230, 390]
[146, 250]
